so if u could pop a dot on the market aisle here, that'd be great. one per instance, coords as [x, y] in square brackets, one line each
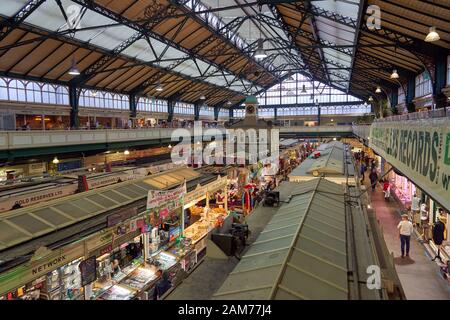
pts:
[204, 281]
[418, 275]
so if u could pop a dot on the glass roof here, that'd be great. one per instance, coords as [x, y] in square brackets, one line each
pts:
[49, 16]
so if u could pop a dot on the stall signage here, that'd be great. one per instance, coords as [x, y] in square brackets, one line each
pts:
[34, 269]
[200, 191]
[157, 198]
[420, 150]
[120, 216]
[34, 197]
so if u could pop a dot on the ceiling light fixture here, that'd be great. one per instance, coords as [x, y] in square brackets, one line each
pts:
[394, 74]
[378, 90]
[432, 35]
[126, 152]
[159, 87]
[303, 89]
[202, 98]
[74, 70]
[94, 93]
[260, 53]
[229, 103]
[55, 160]
[370, 99]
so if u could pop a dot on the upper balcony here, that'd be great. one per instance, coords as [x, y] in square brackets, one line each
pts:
[41, 142]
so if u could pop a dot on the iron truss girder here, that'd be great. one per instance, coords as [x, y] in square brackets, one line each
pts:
[319, 12]
[146, 28]
[8, 25]
[224, 33]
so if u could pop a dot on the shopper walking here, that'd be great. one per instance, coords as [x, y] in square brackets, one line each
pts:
[373, 179]
[405, 229]
[363, 171]
[386, 189]
[415, 209]
[438, 234]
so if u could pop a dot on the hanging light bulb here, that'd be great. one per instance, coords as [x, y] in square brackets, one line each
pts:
[260, 53]
[394, 74]
[378, 90]
[126, 152]
[202, 97]
[94, 93]
[55, 160]
[365, 103]
[170, 146]
[432, 35]
[303, 89]
[159, 87]
[74, 70]
[370, 99]
[229, 103]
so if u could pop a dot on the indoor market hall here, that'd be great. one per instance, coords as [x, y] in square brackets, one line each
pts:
[230, 157]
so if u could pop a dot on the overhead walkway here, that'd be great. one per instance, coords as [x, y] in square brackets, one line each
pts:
[15, 144]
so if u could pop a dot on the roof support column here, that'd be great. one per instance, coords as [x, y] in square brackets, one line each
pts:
[230, 113]
[73, 102]
[439, 97]
[216, 113]
[275, 113]
[394, 101]
[410, 94]
[133, 107]
[318, 115]
[196, 111]
[170, 108]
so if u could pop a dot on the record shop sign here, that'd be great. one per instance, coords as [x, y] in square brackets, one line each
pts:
[420, 149]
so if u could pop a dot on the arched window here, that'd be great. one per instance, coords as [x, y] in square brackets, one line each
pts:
[4, 89]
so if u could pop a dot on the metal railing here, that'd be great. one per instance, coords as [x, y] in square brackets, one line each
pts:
[435, 113]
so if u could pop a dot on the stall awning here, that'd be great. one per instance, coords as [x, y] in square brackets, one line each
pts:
[330, 161]
[171, 179]
[31, 222]
[301, 254]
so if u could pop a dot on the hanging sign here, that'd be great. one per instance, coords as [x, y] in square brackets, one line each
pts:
[157, 198]
[88, 270]
[420, 149]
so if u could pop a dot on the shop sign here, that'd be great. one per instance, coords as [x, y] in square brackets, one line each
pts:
[112, 179]
[120, 216]
[37, 197]
[37, 168]
[420, 149]
[34, 269]
[157, 198]
[200, 191]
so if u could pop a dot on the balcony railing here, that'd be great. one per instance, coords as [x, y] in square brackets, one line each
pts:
[436, 113]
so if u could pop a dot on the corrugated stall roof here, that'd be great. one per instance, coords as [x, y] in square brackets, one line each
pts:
[301, 254]
[330, 162]
[27, 223]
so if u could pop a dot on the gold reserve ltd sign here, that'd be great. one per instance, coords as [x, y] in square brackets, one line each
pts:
[419, 149]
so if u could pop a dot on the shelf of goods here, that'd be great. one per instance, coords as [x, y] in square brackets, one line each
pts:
[211, 218]
[128, 283]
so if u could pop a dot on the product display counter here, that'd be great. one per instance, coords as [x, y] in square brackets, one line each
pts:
[211, 218]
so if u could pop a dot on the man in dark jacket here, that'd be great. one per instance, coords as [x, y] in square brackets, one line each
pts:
[373, 179]
[438, 236]
[161, 286]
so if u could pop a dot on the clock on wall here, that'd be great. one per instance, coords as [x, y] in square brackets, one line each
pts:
[250, 109]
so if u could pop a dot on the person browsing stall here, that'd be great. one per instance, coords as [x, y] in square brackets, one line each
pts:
[405, 229]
